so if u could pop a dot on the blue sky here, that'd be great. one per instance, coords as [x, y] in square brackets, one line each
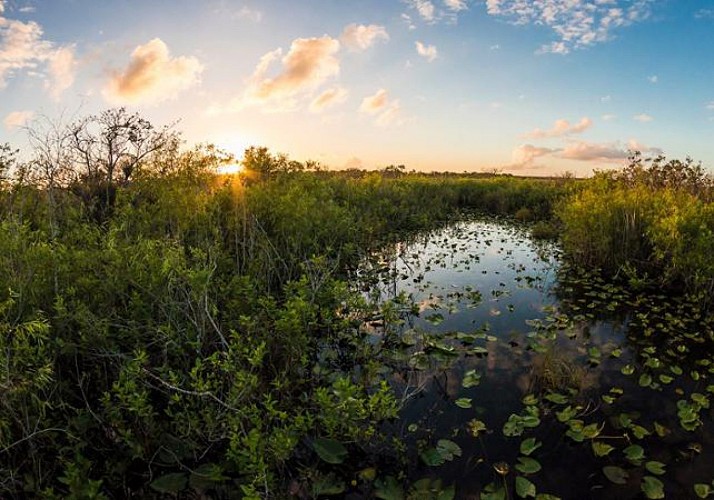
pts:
[534, 87]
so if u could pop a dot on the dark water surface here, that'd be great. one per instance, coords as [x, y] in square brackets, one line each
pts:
[502, 331]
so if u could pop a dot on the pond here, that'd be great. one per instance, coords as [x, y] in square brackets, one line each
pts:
[521, 376]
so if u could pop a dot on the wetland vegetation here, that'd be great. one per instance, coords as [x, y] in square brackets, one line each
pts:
[294, 332]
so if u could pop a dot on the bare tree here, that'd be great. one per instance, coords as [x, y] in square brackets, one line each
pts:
[110, 146]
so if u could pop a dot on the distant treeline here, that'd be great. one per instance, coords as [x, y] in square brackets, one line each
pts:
[160, 323]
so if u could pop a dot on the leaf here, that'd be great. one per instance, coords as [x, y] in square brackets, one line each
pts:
[645, 380]
[170, 483]
[655, 467]
[601, 449]
[661, 430]
[530, 400]
[702, 490]
[628, 370]
[328, 485]
[448, 449]
[592, 431]
[529, 445]
[329, 450]
[524, 488]
[652, 487]
[435, 319]
[567, 413]
[634, 453]
[616, 475]
[471, 379]
[463, 403]
[388, 489]
[556, 398]
[531, 421]
[528, 465]
[432, 457]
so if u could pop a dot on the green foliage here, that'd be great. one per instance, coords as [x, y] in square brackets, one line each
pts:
[653, 221]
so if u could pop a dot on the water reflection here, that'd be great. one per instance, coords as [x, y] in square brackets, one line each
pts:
[488, 300]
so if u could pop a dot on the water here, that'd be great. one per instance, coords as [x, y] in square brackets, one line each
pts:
[494, 304]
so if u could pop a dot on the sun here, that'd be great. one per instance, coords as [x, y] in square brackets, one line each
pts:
[230, 169]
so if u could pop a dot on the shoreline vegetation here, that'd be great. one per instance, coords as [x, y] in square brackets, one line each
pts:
[162, 325]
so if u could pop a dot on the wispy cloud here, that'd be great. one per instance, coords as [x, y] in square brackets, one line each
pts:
[643, 118]
[431, 12]
[599, 152]
[425, 8]
[152, 76]
[428, 52]
[561, 128]
[17, 119]
[709, 106]
[456, 5]
[576, 23]
[358, 37]
[309, 64]
[386, 110]
[525, 156]
[22, 46]
[62, 68]
[653, 78]
[327, 99]
[609, 117]
[704, 14]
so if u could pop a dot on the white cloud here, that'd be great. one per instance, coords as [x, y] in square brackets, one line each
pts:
[605, 99]
[62, 66]
[358, 37]
[309, 64]
[327, 99]
[700, 14]
[456, 5]
[588, 151]
[609, 117]
[425, 8]
[710, 106]
[387, 112]
[252, 15]
[152, 76]
[653, 79]
[643, 118]
[576, 23]
[561, 128]
[428, 52]
[524, 156]
[17, 119]
[22, 47]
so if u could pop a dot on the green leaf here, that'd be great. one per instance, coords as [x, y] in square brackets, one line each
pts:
[645, 380]
[652, 487]
[170, 483]
[634, 453]
[592, 431]
[702, 490]
[463, 403]
[432, 457]
[328, 485]
[388, 489]
[628, 370]
[448, 449]
[329, 450]
[524, 488]
[435, 319]
[471, 379]
[655, 467]
[601, 449]
[529, 445]
[556, 398]
[661, 430]
[528, 465]
[616, 475]
[639, 431]
[529, 400]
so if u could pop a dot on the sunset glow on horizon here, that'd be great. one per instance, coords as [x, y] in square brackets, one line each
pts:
[535, 87]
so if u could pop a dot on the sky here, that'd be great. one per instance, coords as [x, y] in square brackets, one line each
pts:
[530, 87]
